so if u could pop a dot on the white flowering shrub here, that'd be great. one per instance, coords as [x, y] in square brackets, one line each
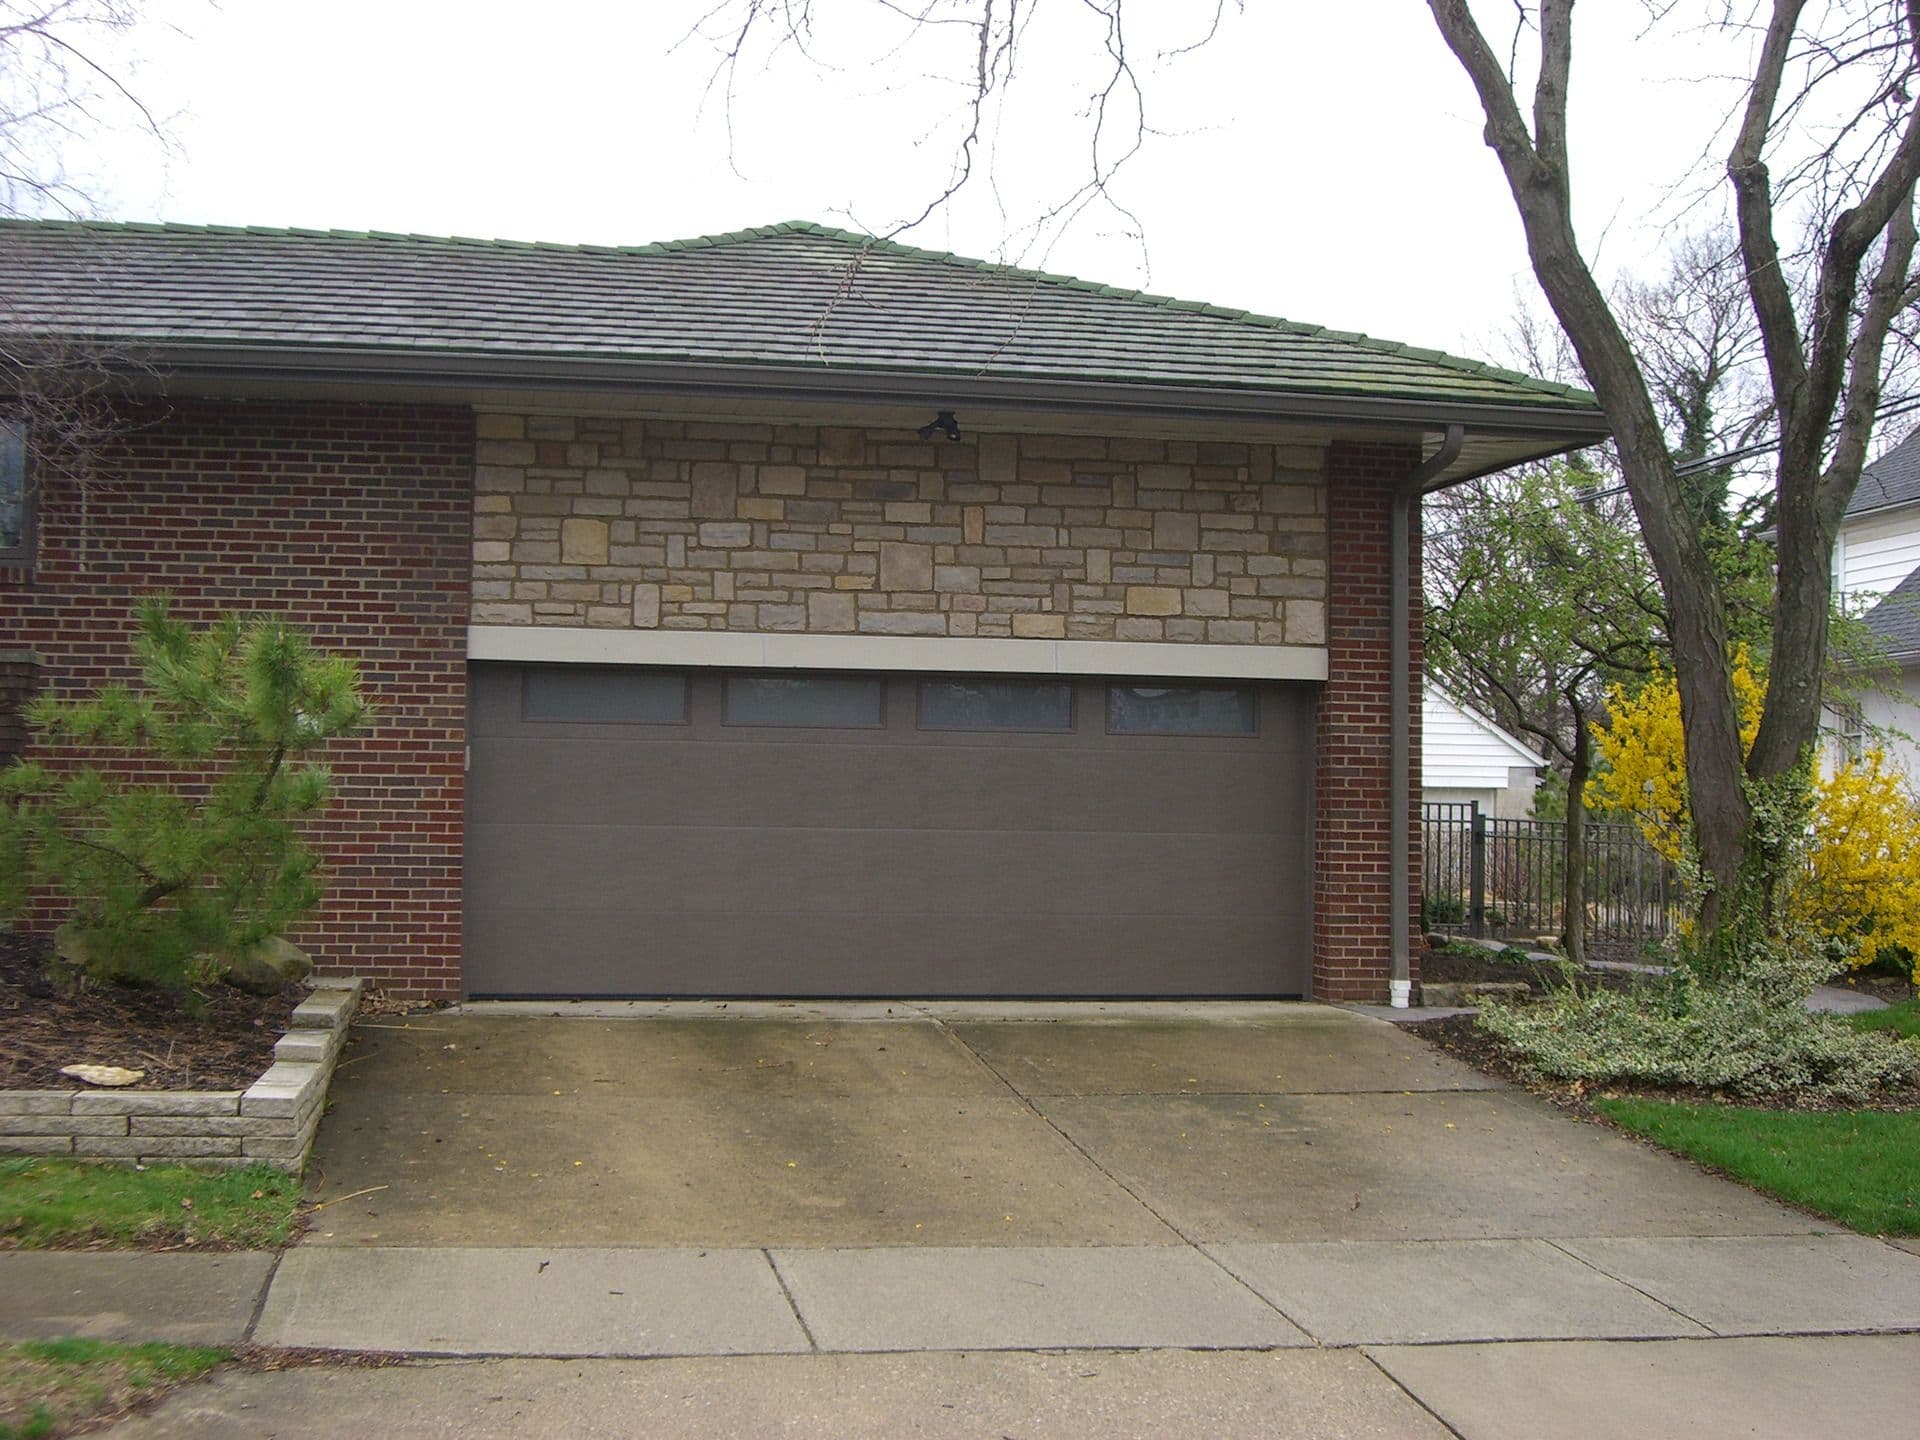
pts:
[1749, 1036]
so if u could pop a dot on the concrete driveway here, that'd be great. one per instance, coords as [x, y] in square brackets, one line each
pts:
[958, 1125]
[1245, 1220]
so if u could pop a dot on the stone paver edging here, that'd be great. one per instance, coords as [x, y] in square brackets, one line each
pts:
[271, 1122]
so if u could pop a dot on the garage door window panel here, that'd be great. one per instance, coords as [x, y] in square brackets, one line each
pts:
[1018, 705]
[806, 702]
[596, 695]
[1220, 711]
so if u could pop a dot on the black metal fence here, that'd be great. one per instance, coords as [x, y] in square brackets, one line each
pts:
[1500, 878]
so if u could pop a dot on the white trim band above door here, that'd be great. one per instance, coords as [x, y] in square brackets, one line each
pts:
[952, 654]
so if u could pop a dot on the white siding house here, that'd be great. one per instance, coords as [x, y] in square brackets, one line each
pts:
[1466, 757]
[1874, 553]
[1876, 561]
[1878, 546]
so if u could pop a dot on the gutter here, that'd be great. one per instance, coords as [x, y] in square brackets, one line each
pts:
[1562, 426]
[1858, 511]
[1400, 699]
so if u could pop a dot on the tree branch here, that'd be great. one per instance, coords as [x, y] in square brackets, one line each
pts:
[1753, 208]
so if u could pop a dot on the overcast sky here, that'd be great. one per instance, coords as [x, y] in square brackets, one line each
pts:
[1321, 161]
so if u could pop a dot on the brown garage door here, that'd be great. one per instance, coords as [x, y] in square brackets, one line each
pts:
[645, 832]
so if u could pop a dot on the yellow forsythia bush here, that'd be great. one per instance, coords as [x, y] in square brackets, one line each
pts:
[1863, 874]
[1861, 887]
[1644, 753]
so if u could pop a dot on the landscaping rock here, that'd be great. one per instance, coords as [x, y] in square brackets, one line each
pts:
[264, 969]
[1466, 992]
[109, 1075]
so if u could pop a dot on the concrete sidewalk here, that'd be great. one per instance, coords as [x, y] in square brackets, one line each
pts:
[1752, 1335]
[649, 1303]
[1660, 1390]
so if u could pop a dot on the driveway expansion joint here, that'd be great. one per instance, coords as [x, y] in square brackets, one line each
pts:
[1366, 1353]
[1188, 1240]
[787, 1290]
[260, 1300]
[1622, 1280]
[1026, 1102]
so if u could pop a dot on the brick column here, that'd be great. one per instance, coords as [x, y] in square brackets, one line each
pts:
[1351, 958]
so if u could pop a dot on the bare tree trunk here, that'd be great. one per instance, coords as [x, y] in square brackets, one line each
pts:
[1536, 171]
[1831, 371]
[1573, 932]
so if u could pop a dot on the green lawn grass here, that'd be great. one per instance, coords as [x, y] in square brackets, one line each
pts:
[1902, 1018]
[51, 1202]
[1859, 1167]
[48, 1386]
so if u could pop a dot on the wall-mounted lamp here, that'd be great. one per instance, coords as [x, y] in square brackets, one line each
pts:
[944, 423]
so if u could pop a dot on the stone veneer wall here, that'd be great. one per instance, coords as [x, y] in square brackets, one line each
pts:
[685, 526]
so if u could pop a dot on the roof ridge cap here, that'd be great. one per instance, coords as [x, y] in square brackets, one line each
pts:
[1302, 328]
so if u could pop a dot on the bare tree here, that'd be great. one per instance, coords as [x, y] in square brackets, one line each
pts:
[63, 84]
[981, 53]
[1695, 338]
[1854, 192]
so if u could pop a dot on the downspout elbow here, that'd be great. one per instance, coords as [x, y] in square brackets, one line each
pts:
[1400, 721]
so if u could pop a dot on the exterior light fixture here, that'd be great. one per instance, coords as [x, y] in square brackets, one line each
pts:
[944, 423]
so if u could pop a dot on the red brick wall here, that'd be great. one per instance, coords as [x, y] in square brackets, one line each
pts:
[1351, 958]
[16, 686]
[355, 522]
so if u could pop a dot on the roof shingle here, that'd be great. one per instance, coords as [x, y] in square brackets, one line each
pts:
[1895, 621]
[792, 295]
[1893, 479]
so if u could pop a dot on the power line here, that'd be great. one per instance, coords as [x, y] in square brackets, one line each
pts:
[1891, 410]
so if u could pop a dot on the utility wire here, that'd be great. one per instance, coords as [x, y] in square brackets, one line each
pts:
[1891, 410]
[1888, 411]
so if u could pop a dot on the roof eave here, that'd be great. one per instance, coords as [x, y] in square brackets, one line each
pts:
[1554, 427]
[1873, 512]
[1513, 743]
[1901, 658]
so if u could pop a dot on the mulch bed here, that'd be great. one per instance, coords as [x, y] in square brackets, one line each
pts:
[1461, 1037]
[221, 1042]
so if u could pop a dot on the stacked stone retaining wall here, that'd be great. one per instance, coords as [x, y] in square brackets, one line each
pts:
[271, 1122]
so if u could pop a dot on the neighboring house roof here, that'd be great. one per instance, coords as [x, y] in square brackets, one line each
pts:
[795, 298]
[1893, 479]
[1895, 621]
[1462, 750]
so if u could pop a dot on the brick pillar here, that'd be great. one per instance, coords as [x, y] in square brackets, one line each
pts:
[1351, 956]
[16, 687]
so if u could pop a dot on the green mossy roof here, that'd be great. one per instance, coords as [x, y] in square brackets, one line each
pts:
[788, 295]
